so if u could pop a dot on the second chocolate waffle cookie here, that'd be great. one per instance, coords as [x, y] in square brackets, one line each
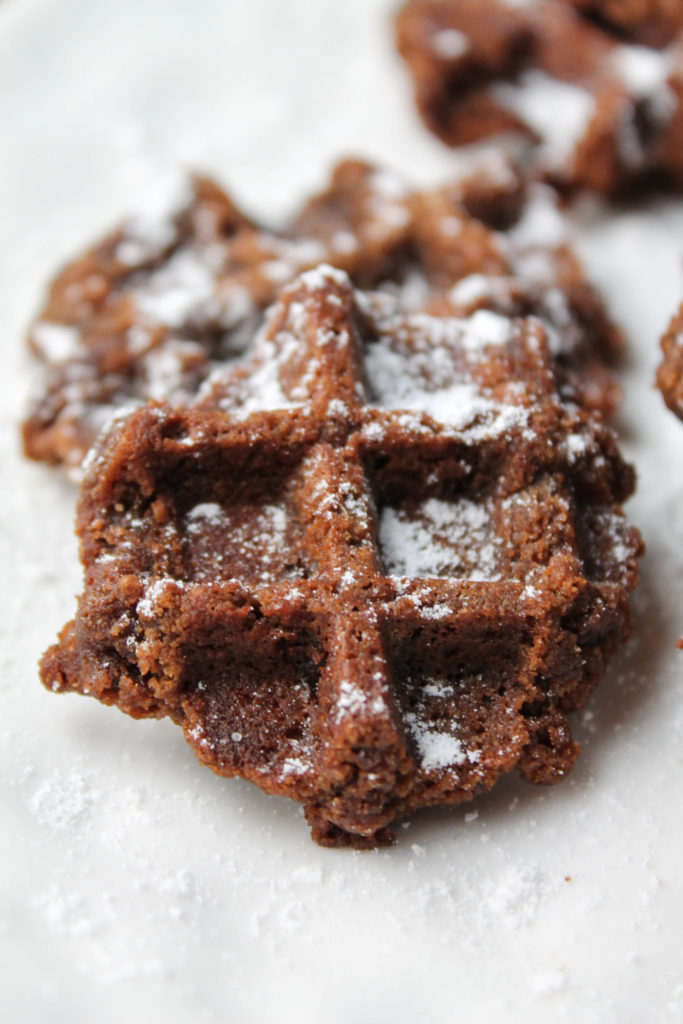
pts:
[177, 291]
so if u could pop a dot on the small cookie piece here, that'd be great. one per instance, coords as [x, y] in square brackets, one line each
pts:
[670, 372]
[594, 110]
[172, 296]
[372, 569]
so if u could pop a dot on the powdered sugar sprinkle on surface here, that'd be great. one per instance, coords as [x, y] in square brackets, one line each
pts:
[440, 539]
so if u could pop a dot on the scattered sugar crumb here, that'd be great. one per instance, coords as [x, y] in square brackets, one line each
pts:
[62, 801]
[550, 983]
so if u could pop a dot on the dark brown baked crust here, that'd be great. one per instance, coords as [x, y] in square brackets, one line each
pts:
[613, 118]
[651, 22]
[670, 372]
[159, 305]
[372, 569]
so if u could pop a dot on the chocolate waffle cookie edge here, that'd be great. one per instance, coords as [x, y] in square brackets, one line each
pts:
[670, 370]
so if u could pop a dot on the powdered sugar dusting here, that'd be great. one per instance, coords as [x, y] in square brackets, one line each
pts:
[62, 800]
[541, 222]
[485, 328]
[206, 512]
[559, 112]
[155, 592]
[55, 342]
[437, 749]
[472, 288]
[180, 287]
[440, 539]
[642, 70]
[166, 370]
[322, 276]
[576, 445]
[514, 896]
[644, 73]
[151, 229]
[263, 391]
[423, 378]
[351, 699]
[387, 203]
[613, 537]
[295, 766]
[450, 43]
[221, 547]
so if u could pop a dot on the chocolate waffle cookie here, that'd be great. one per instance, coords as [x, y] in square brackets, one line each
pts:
[595, 110]
[371, 569]
[670, 372]
[176, 293]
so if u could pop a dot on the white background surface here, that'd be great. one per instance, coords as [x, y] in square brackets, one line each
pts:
[135, 885]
